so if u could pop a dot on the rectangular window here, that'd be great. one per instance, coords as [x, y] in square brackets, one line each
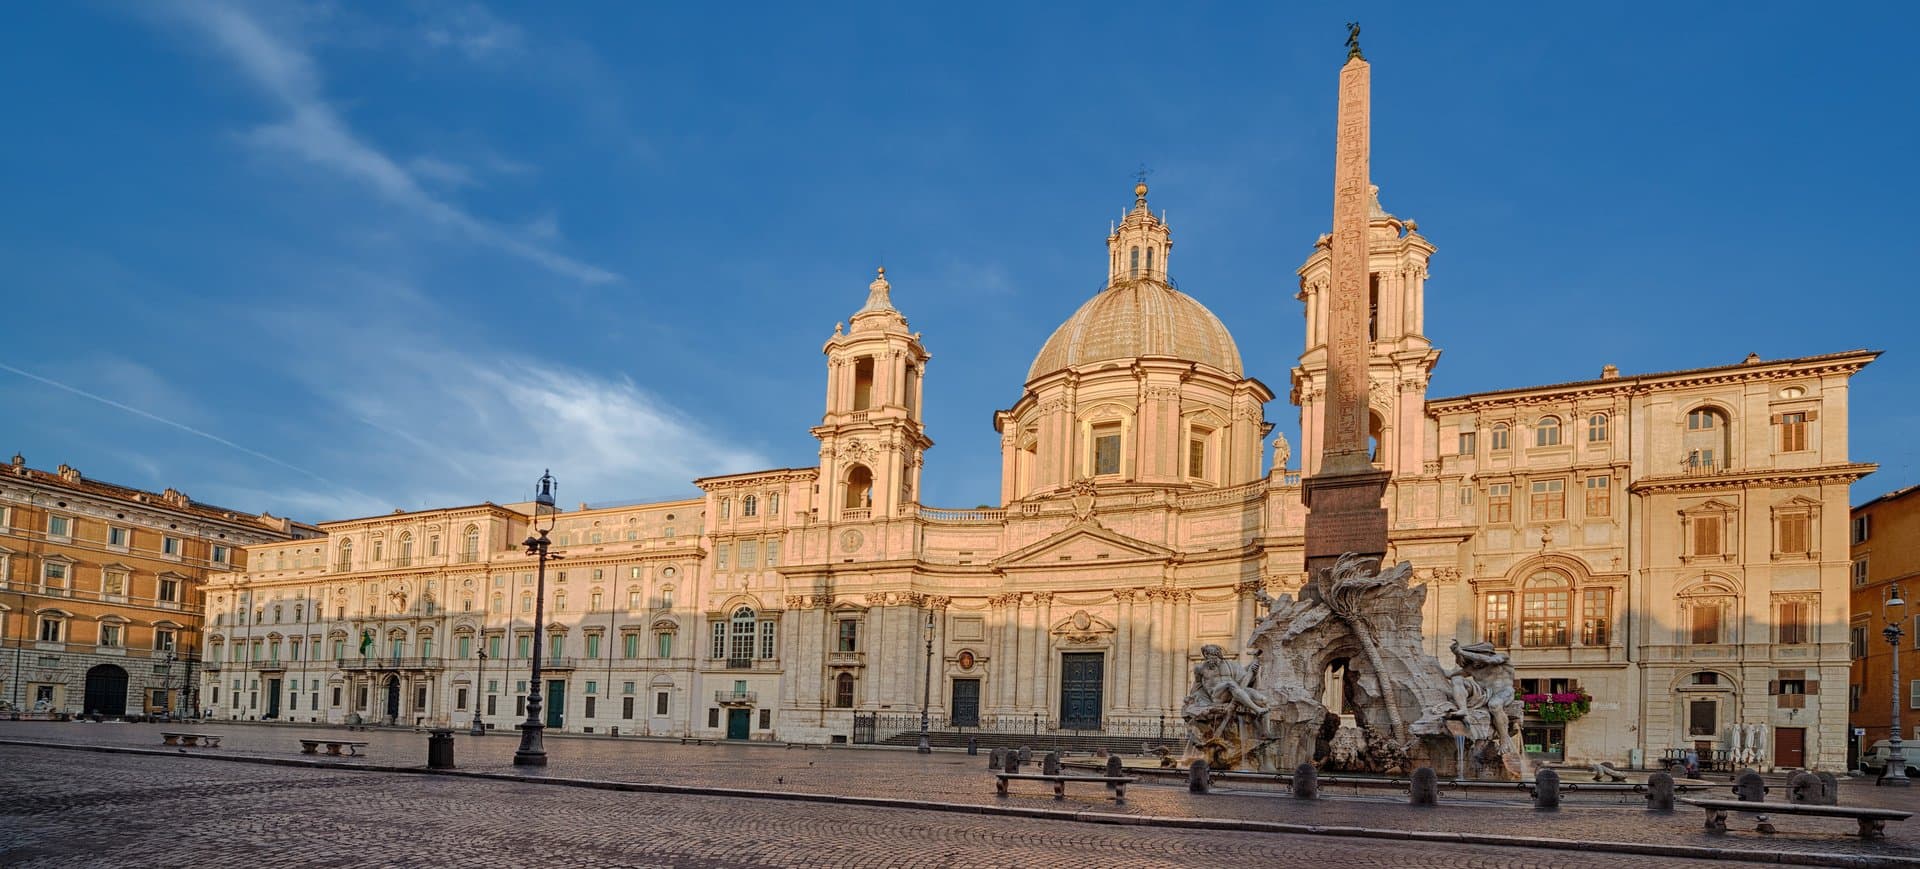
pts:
[526, 647]
[110, 634]
[660, 703]
[719, 640]
[626, 707]
[766, 639]
[1793, 432]
[219, 554]
[1500, 502]
[1596, 616]
[1548, 502]
[1705, 629]
[169, 589]
[713, 717]
[593, 602]
[773, 553]
[1853, 698]
[1793, 622]
[749, 554]
[1500, 438]
[1497, 628]
[664, 640]
[59, 526]
[113, 582]
[1543, 618]
[629, 646]
[1862, 528]
[1859, 572]
[1467, 442]
[1196, 457]
[849, 636]
[720, 553]
[53, 574]
[1702, 718]
[170, 545]
[1706, 535]
[466, 646]
[766, 719]
[1599, 496]
[1792, 531]
[49, 629]
[460, 699]
[593, 646]
[633, 599]
[117, 537]
[1597, 428]
[163, 640]
[1857, 642]
[1106, 449]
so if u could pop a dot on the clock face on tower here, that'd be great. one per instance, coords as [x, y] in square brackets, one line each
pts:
[851, 539]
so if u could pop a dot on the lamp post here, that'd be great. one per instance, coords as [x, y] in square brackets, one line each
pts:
[1896, 757]
[533, 748]
[479, 691]
[926, 689]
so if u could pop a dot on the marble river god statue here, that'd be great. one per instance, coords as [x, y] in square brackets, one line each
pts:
[1269, 714]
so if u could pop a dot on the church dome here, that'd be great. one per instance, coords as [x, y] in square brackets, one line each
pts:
[1137, 317]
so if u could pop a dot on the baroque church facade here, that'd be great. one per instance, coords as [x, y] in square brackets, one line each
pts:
[1671, 547]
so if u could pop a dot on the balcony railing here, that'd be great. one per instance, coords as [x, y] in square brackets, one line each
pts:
[726, 698]
[403, 561]
[469, 557]
[269, 666]
[852, 515]
[343, 567]
[390, 662]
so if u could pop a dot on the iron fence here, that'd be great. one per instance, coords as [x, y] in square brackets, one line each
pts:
[870, 727]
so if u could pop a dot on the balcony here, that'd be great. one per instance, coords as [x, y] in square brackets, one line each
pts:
[469, 557]
[403, 561]
[734, 698]
[855, 515]
[343, 567]
[273, 666]
[743, 664]
[389, 662]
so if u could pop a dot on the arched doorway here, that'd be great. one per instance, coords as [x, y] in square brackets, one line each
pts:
[107, 690]
[393, 699]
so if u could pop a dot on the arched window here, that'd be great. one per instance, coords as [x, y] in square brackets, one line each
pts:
[750, 506]
[346, 556]
[1502, 438]
[1546, 432]
[843, 691]
[859, 488]
[1134, 267]
[1597, 428]
[740, 634]
[1706, 441]
[470, 546]
[406, 548]
[1149, 261]
[1376, 437]
[433, 546]
[1545, 610]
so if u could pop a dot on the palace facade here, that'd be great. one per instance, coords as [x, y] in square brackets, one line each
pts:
[1672, 545]
[101, 590]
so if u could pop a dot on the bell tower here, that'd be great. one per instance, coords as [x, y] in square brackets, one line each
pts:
[872, 438]
[1400, 359]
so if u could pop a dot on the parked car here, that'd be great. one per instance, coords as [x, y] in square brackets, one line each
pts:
[1875, 759]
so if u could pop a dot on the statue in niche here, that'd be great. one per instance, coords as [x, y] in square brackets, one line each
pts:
[1226, 715]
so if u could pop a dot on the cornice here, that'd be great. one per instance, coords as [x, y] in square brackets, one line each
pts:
[1846, 473]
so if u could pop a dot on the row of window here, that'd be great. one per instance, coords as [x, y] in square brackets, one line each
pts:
[56, 628]
[1547, 500]
[268, 649]
[750, 506]
[57, 578]
[746, 555]
[1547, 616]
[1792, 431]
[1863, 638]
[61, 528]
[661, 702]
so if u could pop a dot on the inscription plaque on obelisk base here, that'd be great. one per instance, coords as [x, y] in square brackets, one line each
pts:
[1343, 498]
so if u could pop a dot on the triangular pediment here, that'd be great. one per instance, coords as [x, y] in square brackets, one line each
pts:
[1082, 543]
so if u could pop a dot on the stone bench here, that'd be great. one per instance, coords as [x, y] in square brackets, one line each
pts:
[1873, 822]
[1117, 782]
[191, 740]
[312, 746]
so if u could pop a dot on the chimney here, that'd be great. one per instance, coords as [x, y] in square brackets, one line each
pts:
[1609, 372]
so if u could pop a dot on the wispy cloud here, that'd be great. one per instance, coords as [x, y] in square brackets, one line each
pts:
[445, 172]
[313, 131]
[471, 30]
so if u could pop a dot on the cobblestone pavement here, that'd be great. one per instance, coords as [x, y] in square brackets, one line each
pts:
[958, 778]
[68, 808]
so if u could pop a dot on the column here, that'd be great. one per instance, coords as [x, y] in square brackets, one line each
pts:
[1158, 650]
[1123, 660]
[1043, 653]
[1022, 654]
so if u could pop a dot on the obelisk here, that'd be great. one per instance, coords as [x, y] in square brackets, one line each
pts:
[1343, 498]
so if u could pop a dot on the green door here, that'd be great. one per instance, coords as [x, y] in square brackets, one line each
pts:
[739, 721]
[556, 703]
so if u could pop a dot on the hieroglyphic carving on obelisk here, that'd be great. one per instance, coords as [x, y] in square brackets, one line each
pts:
[1345, 404]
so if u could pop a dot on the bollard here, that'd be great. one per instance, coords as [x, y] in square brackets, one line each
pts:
[1026, 754]
[440, 749]
[1660, 792]
[1749, 787]
[1011, 762]
[1425, 788]
[1199, 778]
[1306, 782]
[1050, 765]
[1114, 768]
[1829, 789]
[1804, 787]
[973, 745]
[997, 758]
[1546, 790]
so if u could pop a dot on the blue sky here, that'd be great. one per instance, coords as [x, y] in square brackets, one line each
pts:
[334, 259]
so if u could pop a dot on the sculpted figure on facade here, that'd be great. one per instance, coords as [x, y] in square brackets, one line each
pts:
[1226, 715]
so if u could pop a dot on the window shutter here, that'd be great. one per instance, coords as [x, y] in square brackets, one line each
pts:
[1812, 415]
[1813, 687]
[1775, 419]
[1773, 687]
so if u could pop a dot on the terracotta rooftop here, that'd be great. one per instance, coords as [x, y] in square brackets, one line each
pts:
[1622, 380]
[71, 479]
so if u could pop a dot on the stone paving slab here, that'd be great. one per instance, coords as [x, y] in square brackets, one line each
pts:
[952, 777]
[63, 808]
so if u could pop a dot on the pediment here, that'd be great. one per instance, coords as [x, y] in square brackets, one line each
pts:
[1079, 544]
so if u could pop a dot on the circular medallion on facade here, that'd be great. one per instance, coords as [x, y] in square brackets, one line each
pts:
[1082, 621]
[667, 572]
[966, 659]
[851, 539]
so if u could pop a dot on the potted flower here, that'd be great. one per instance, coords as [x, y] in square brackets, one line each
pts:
[1562, 706]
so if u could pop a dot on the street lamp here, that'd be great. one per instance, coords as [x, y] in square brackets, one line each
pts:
[533, 748]
[926, 688]
[479, 691]
[1896, 757]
